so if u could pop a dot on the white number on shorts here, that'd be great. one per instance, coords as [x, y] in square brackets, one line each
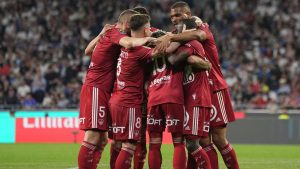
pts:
[102, 111]
[138, 122]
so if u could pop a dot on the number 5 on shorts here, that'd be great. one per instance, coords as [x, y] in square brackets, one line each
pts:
[102, 111]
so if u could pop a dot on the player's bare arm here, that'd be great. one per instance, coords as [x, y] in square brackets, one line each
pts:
[175, 59]
[198, 63]
[90, 47]
[130, 42]
[165, 41]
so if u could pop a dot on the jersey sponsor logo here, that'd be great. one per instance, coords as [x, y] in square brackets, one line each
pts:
[172, 122]
[117, 129]
[153, 121]
[194, 96]
[213, 113]
[161, 80]
[51, 122]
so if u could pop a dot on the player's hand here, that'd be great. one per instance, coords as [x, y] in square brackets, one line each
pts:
[151, 41]
[105, 28]
[163, 43]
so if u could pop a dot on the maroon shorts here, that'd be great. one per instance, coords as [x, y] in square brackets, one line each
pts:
[94, 109]
[170, 115]
[222, 111]
[196, 121]
[126, 122]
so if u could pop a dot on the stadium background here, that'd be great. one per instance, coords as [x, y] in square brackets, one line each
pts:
[42, 66]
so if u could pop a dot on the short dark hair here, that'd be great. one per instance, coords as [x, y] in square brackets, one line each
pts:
[158, 34]
[141, 10]
[180, 4]
[138, 20]
[190, 23]
[125, 15]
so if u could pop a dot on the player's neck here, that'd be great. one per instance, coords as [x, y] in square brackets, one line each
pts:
[137, 34]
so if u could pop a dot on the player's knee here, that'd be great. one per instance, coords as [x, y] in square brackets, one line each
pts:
[155, 138]
[129, 145]
[192, 144]
[219, 139]
[205, 141]
[116, 144]
[92, 137]
[177, 138]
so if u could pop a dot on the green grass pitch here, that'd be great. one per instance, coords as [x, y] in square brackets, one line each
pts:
[63, 156]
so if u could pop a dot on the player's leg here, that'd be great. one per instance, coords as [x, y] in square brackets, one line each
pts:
[179, 156]
[225, 148]
[141, 149]
[125, 156]
[174, 114]
[223, 113]
[196, 153]
[196, 126]
[94, 122]
[155, 127]
[126, 128]
[115, 149]
[208, 146]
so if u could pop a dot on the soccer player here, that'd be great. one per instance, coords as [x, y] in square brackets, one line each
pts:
[126, 100]
[97, 88]
[222, 112]
[197, 98]
[165, 109]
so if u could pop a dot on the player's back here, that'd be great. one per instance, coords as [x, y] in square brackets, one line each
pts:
[165, 83]
[210, 48]
[130, 76]
[101, 72]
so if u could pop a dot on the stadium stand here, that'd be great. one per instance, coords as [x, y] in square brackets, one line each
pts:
[42, 44]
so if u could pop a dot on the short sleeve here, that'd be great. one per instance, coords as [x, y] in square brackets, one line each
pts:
[116, 36]
[145, 53]
[186, 48]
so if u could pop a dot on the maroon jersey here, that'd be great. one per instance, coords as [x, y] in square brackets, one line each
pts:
[215, 76]
[102, 69]
[130, 76]
[195, 84]
[165, 83]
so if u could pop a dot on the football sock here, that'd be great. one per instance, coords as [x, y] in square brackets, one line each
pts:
[114, 152]
[86, 155]
[213, 156]
[179, 157]
[124, 158]
[154, 156]
[201, 158]
[140, 155]
[229, 157]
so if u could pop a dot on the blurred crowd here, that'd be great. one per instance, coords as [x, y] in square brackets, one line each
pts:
[42, 63]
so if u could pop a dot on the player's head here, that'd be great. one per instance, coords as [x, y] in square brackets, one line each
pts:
[141, 10]
[125, 17]
[188, 24]
[140, 23]
[179, 10]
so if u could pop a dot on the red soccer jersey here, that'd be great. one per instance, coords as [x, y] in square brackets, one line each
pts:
[130, 76]
[165, 83]
[195, 84]
[209, 45]
[102, 69]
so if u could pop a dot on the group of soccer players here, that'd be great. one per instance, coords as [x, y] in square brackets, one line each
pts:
[141, 77]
